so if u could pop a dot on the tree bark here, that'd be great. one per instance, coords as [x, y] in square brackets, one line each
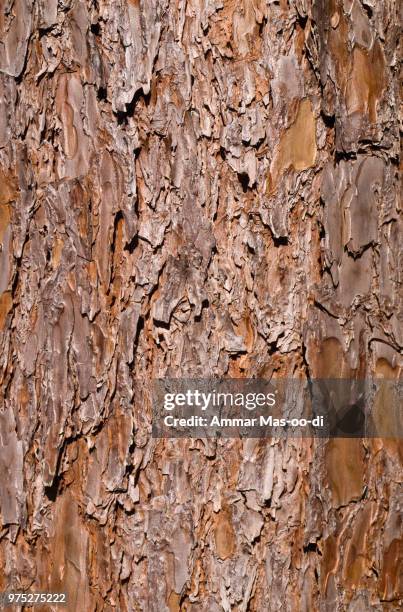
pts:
[196, 188]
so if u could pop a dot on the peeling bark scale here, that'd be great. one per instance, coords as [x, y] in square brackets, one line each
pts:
[196, 188]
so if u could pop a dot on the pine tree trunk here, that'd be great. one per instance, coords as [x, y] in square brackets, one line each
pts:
[196, 188]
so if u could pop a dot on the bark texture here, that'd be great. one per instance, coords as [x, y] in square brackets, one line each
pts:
[196, 188]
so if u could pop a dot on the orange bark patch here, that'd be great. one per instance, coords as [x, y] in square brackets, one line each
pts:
[57, 252]
[69, 132]
[345, 469]
[8, 187]
[386, 413]
[6, 301]
[331, 360]
[297, 148]
[330, 560]
[338, 43]
[356, 553]
[4, 219]
[68, 551]
[224, 535]
[174, 602]
[367, 82]
[383, 369]
[391, 583]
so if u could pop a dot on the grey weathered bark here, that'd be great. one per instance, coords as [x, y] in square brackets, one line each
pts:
[196, 188]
